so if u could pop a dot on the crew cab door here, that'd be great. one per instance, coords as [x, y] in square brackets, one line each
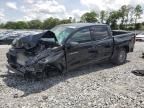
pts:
[78, 48]
[102, 42]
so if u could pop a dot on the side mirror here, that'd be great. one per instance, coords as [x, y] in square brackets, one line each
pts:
[71, 44]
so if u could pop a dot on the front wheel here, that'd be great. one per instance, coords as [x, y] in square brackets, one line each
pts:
[119, 57]
[51, 71]
[47, 72]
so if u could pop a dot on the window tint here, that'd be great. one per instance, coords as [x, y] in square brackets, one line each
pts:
[99, 33]
[81, 36]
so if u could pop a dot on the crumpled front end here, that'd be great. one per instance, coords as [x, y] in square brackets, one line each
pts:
[21, 62]
[32, 54]
[25, 63]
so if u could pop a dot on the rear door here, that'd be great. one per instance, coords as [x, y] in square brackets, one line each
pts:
[79, 52]
[102, 42]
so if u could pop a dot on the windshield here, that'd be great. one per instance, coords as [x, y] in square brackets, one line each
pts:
[62, 32]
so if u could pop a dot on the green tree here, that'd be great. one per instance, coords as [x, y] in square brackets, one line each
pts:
[137, 13]
[89, 17]
[35, 24]
[70, 19]
[127, 15]
[138, 26]
[10, 25]
[2, 25]
[65, 21]
[131, 14]
[73, 20]
[50, 23]
[123, 12]
[103, 16]
[113, 18]
[21, 25]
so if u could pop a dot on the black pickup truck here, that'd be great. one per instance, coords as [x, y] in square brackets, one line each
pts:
[68, 46]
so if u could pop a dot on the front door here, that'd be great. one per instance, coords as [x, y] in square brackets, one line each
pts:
[79, 52]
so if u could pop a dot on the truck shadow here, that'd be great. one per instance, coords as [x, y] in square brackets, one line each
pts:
[31, 87]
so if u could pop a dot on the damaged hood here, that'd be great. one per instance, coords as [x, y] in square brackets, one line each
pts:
[31, 41]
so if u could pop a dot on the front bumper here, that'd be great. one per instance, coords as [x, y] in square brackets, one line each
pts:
[22, 70]
[18, 68]
[13, 70]
[29, 65]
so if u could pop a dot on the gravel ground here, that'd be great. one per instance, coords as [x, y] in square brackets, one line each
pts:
[99, 85]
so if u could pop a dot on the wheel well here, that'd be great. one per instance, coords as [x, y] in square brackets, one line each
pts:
[58, 66]
[126, 48]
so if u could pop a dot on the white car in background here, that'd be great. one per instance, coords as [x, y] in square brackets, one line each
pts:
[140, 37]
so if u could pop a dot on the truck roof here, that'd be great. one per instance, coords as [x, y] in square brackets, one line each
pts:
[79, 25]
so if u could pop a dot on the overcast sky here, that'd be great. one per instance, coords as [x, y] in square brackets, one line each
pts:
[14, 10]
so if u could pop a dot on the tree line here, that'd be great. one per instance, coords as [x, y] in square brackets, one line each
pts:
[35, 24]
[124, 18]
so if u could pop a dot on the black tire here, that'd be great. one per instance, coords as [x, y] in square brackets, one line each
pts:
[119, 56]
[49, 71]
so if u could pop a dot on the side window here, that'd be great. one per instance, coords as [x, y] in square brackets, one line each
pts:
[99, 33]
[81, 36]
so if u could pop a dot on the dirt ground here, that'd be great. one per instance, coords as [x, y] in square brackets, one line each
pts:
[99, 85]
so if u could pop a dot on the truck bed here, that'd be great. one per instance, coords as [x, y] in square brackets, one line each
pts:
[121, 35]
[124, 37]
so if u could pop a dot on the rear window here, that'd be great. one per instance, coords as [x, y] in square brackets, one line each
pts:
[99, 33]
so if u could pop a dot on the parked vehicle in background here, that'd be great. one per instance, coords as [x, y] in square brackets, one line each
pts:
[7, 40]
[140, 37]
[68, 46]
[7, 36]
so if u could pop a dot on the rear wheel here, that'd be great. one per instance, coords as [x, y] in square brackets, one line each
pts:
[119, 57]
